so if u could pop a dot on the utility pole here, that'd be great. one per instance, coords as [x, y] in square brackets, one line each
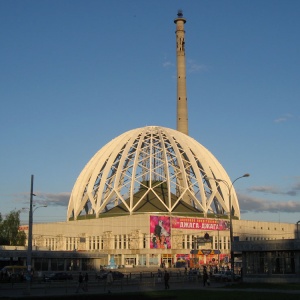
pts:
[29, 246]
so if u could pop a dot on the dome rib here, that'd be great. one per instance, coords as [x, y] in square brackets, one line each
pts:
[151, 169]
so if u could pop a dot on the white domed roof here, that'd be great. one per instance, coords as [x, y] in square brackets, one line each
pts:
[152, 169]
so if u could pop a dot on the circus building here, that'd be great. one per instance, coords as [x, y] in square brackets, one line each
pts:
[153, 197]
[161, 178]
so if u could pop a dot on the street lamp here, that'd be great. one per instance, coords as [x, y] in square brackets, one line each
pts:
[218, 245]
[229, 187]
[218, 230]
[29, 247]
[297, 229]
[37, 208]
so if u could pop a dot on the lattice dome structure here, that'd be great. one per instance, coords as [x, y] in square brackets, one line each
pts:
[152, 170]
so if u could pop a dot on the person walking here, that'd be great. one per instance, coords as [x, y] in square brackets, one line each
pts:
[166, 279]
[159, 275]
[109, 281]
[80, 283]
[205, 277]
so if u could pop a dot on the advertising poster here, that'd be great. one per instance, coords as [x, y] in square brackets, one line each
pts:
[200, 224]
[160, 232]
[182, 260]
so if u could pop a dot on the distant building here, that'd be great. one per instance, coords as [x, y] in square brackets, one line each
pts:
[270, 260]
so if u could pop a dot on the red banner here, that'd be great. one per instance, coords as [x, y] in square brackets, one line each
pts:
[200, 224]
[23, 227]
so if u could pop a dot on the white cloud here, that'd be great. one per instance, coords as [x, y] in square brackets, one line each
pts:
[283, 118]
[167, 64]
[255, 204]
[192, 67]
[293, 191]
[49, 199]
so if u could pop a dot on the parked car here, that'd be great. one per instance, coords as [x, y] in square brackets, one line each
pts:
[15, 272]
[230, 276]
[103, 275]
[218, 276]
[58, 276]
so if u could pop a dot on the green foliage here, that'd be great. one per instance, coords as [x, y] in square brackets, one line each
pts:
[9, 230]
[21, 238]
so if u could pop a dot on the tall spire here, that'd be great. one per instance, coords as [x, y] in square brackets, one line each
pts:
[182, 112]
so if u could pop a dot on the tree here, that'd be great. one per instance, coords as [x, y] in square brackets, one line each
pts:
[2, 239]
[9, 230]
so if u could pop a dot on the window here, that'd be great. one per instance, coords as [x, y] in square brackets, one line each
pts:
[283, 262]
[98, 242]
[57, 264]
[90, 242]
[124, 242]
[256, 263]
[41, 264]
[120, 242]
[129, 260]
[189, 243]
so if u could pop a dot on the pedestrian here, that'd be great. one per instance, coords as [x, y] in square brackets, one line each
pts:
[198, 274]
[205, 277]
[86, 280]
[190, 274]
[159, 275]
[166, 279]
[109, 281]
[40, 276]
[80, 283]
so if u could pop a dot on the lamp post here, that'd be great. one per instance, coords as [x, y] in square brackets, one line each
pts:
[229, 187]
[218, 245]
[29, 247]
[297, 229]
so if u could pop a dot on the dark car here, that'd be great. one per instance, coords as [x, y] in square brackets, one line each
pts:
[218, 276]
[58, 276]
[116, 275]
[230, 276]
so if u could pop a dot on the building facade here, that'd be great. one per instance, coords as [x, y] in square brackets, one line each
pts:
[152, 196]
[147, 240]
[270, 260]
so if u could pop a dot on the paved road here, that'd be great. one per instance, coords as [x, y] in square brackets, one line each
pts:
[69, 288]
[59, 289]
[134, 283]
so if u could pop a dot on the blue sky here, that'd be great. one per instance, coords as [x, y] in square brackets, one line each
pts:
[75, 74]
